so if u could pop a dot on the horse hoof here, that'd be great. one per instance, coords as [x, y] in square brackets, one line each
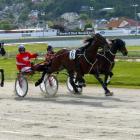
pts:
[2, 84]
[109, 93]
[37, 83]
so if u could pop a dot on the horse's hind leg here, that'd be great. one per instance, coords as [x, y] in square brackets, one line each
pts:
[80, 80]
[73, 83]
[79, 77]
[2, 77]
[107, 92]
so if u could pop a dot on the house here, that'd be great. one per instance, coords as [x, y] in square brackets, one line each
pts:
[33, 14]
[70, 17]
[122, 23]
[78, 24]
[101, 24]
[37, 1]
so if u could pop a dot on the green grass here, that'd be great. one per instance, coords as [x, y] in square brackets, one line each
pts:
[133, 48]
[125, 73]
[12, 50]
[133, 51]
[9, 68]
[30, 47]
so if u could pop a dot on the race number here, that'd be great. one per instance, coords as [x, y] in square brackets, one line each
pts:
[72, 54]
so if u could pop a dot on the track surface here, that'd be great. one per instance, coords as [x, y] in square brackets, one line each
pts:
[90, 116]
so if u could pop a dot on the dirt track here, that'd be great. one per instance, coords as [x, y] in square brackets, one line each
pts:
[90, 116]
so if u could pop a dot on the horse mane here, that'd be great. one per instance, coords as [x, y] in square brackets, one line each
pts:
[88, 40]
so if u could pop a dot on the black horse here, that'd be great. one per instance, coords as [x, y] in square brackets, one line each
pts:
[105, 61]
[2, 52]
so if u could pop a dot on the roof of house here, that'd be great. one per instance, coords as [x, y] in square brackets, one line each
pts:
[122, 22]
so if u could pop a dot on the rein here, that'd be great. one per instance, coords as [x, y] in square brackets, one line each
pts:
[86, 58]
[112, 53]
[92, 64]
[40, 62]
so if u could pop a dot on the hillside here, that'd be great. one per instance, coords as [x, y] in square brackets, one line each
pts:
[17, 12]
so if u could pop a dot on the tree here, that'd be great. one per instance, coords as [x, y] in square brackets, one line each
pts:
[88, 25]
[6, 25]
[84, 17]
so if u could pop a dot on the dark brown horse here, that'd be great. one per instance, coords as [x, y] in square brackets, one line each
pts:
[105, 61]
[86, 61]
[2, 52]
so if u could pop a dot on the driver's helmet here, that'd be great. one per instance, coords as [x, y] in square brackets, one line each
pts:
[49, 48]
[21, 48]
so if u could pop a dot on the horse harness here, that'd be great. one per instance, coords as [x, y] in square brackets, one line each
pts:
[103, 55]
[79, 54]
[96, 60]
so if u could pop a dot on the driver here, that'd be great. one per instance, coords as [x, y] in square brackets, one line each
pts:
[49, 55]
[23, 59]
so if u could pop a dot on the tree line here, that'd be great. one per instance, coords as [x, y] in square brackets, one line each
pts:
[52, 9]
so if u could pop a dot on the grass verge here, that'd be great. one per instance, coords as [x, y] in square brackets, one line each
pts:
[126, 74]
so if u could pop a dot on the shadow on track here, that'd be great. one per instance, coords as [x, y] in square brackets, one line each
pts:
[76, 100]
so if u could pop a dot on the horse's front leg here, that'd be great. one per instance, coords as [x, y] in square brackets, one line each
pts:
[107, 92]
[2, 77]
[39, 81]
[108, 77]
[79, 75]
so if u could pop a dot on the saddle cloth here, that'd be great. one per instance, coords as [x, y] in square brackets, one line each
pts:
[72, 54]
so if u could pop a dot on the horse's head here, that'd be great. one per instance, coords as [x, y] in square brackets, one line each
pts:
[119, 45]
[2, 50]
[100, 41]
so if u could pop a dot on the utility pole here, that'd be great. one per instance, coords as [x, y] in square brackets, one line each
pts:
[91, 12]
[91, 15]
[135, 16]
